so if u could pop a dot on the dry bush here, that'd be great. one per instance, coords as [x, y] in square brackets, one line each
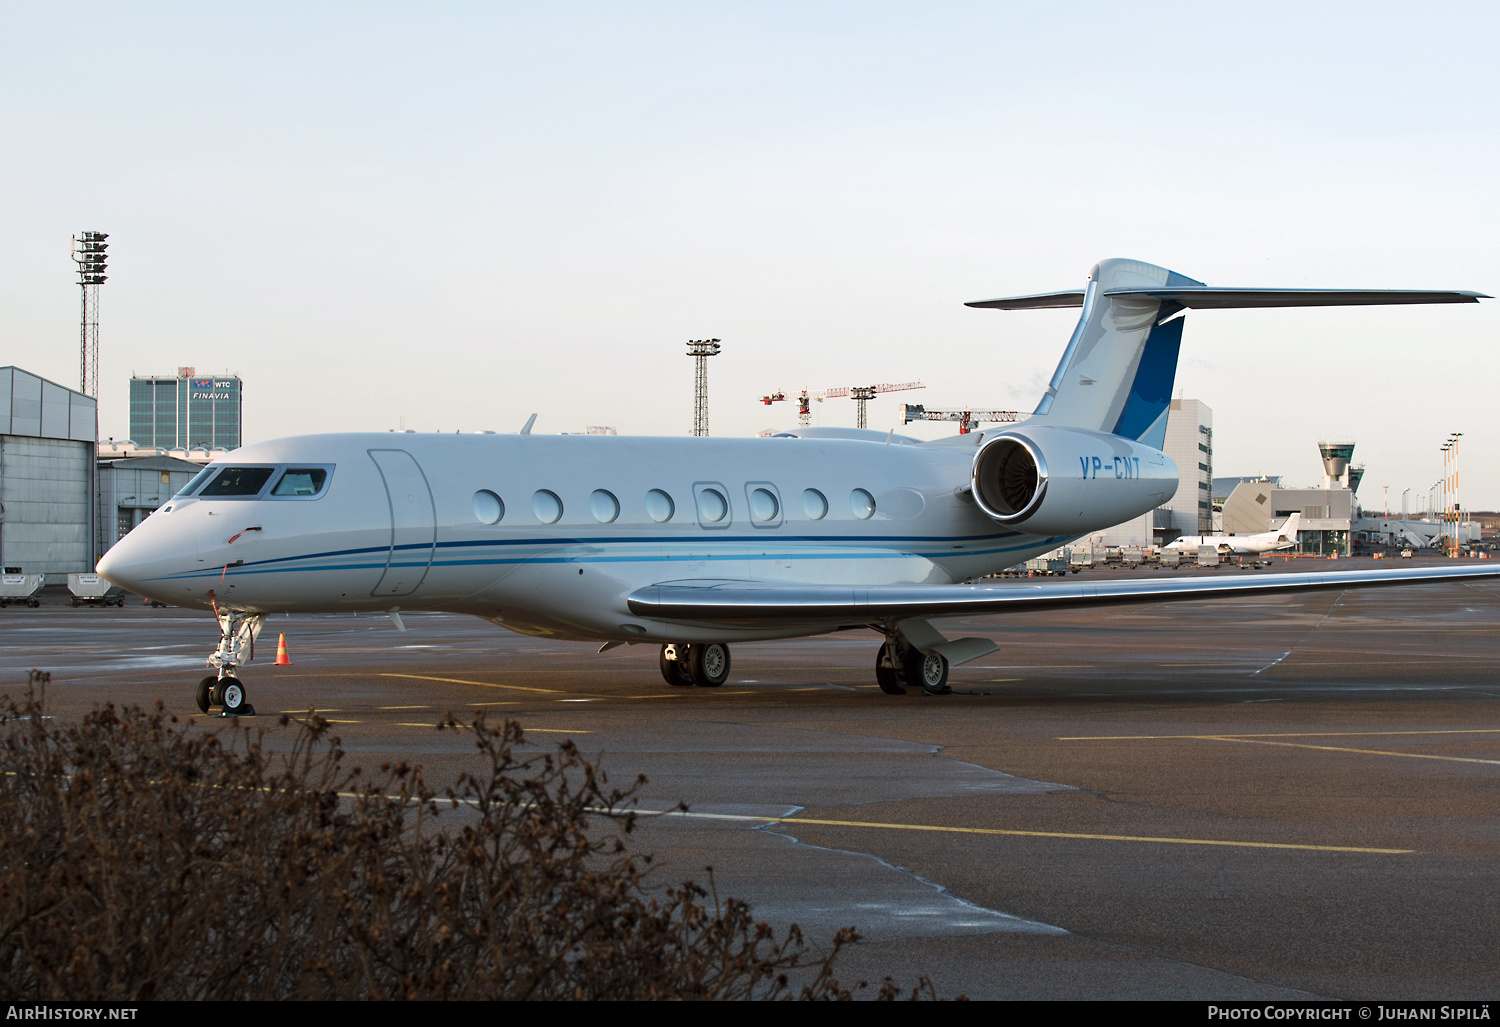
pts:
[143, 859]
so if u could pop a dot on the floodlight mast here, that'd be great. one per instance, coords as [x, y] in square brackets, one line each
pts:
[88, 252]
[700, 350]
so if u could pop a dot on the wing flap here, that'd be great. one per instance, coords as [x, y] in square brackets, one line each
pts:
[748, 603]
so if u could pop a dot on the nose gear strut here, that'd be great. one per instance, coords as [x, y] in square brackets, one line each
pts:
[237, 633]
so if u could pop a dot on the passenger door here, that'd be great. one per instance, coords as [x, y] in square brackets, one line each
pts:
[413, 522]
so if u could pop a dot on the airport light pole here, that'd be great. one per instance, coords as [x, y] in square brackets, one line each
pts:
[1453, 485]
[700, 350]
[89, 254]
[1447, 459]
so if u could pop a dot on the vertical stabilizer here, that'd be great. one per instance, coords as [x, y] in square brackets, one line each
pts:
[1116, 374]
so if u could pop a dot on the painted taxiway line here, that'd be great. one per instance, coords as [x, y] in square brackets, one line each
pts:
[460, 681]
[990, 831]
[1225, 736]
[1268, 739]
[1005, 832]
[1366, 752]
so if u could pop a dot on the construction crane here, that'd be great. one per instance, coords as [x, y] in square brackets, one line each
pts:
[861, 394]
[966, 419]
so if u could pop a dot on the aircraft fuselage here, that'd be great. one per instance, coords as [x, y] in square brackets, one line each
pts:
[397, 525]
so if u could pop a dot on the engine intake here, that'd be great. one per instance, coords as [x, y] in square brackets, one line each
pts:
[1010, 479]
[1068, 481]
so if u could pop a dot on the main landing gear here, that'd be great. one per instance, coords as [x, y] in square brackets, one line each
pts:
[899, 665]
[702, 663]
[237, 633]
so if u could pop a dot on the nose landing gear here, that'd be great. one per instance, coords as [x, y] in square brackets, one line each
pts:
[237, 633]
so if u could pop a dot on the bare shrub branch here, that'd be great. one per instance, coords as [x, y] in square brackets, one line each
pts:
[142, 859]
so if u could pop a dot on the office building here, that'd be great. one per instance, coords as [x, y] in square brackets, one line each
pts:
[186, 411]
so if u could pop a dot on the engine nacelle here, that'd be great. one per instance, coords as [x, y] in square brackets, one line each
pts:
[1068, 481]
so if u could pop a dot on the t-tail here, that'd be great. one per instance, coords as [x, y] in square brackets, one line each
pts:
[1287, 533]
[1117, 372]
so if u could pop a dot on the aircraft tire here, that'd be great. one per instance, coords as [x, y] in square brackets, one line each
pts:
[709, 663]
[231, 695]
[204, 692]
[930, 670]
[892, 680]
[674, 671]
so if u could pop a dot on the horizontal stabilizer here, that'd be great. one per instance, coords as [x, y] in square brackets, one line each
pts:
[1206, 298]
[1203, 297]
[1039, 301]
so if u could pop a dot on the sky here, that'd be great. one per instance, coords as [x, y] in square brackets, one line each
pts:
[449, 216]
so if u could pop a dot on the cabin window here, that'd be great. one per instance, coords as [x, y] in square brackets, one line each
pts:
[765, 504]
[301, 481]
[659, 506]
[547, 507]
[862, 503]
[488, 507]
[712, 506]
[814, 504]
[239, 481]
[604, 506]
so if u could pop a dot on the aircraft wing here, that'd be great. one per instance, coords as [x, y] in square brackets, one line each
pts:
[757, 604]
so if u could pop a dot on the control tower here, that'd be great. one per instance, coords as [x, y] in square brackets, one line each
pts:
[1336, 456]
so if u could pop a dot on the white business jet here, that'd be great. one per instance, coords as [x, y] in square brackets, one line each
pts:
[690, 544]
[1284, 537]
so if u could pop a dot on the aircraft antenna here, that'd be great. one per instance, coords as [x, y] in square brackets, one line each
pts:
[88, 252]
[700, 350]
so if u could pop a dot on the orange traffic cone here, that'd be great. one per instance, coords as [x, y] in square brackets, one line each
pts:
[282, 659]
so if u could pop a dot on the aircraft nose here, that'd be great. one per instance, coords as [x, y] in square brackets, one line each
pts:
[120, 566]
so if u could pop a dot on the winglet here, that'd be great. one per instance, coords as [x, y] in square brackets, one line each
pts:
[526, 430]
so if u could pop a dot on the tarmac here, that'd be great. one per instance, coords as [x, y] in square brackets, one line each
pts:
[1293, 797]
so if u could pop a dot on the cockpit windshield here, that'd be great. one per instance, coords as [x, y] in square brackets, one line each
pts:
[198, 479]
[238, 481]
[301, 481]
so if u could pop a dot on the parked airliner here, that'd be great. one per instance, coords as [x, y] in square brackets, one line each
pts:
[1284, 537]
[689, 544]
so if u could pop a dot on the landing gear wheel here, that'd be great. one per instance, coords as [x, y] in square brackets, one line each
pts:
[890, 675]
[709, 664]
[930, 670]
[674, 670]
[232, 696]
[204, 693]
